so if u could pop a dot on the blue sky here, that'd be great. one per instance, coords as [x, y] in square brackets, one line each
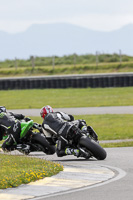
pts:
[104, 15]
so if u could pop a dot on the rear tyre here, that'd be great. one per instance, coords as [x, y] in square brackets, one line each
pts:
[93, 147]
[42, 143]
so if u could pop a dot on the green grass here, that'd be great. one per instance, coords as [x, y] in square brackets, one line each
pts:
[111, 127]
[73, 59]
[108, 127]
[70, 64]
[67, 69]
[17, 170]
[59, 98]
[117, 144]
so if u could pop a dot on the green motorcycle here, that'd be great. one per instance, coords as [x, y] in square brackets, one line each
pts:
[32, 139]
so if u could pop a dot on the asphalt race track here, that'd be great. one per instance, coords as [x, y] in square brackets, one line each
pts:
[82, 111]
[109, 179]
[120, 187]
[82, 179]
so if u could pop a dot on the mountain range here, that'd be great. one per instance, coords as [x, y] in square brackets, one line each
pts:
[64, 39]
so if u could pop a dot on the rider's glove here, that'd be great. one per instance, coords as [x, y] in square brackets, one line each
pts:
[27, 119]
[71, 118]
[38, 126]
[82, 123]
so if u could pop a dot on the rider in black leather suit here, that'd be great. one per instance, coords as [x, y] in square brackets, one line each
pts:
[9, 125]
[61, 124]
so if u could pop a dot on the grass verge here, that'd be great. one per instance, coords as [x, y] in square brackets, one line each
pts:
[17, 170]
[67, 98]
[117, 144]
[107, 126]
[8, 70]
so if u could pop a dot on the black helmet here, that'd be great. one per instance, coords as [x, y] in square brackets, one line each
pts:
[2, 109]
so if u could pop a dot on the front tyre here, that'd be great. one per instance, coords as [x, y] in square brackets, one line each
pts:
[96, 150]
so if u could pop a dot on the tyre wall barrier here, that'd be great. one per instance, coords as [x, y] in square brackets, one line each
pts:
[74, 81]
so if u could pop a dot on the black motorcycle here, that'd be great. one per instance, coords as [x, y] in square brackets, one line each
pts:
[87, 144]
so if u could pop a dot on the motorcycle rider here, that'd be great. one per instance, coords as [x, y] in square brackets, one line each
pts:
[10, 126]
[64, 127]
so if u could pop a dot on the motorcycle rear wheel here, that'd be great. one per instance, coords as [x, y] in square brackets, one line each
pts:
[93, 147]
[43, 144]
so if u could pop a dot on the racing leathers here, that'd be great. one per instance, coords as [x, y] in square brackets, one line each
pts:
[63, 126]
[10, 126]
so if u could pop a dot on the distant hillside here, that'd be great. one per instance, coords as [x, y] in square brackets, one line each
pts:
[64, 39]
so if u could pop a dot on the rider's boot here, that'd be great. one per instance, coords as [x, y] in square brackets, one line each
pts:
[77, 152]
[83, 154]
[24, 148]
[70, 151]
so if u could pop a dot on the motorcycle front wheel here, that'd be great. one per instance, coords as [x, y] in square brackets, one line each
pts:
[93, 147]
